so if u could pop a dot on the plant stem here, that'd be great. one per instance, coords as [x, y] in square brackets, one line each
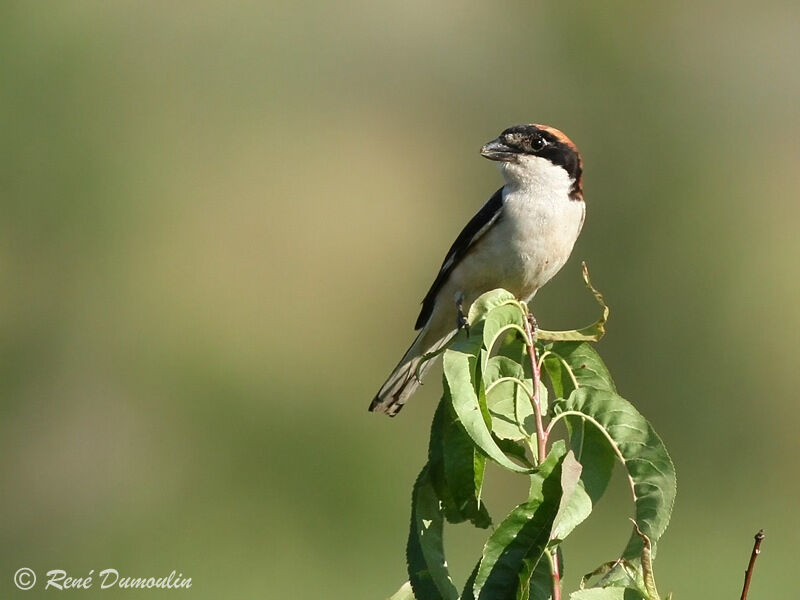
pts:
[541, 438]
[556, 576]
[759, 537]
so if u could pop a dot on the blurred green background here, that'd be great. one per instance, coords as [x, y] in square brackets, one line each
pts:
[218, 220]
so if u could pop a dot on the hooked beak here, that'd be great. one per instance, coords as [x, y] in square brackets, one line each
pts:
[497, 150]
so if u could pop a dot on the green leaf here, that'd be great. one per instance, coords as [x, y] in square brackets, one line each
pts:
[620, 573]
[593, 451]
[404, 593]
[436, 459]
[508, 398]
[516, 349]
[516, 450]
[521, 539]
[486, 302]
[501, 321]
[650, 469]
[543, 398]
[571, 363]
[427, 569]
[541, 582]
[567, 364]
[607, 593]
[456, 467]
[648, 576]
[460, 371]
[575, 505]
[468, 593]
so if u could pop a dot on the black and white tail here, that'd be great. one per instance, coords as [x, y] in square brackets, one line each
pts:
[405, 379]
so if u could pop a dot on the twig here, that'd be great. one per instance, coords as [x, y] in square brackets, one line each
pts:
[541, 440]
[759, 537]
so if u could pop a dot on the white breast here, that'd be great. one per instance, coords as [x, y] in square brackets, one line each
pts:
[541, 230]
[538, 227]
[525, 247]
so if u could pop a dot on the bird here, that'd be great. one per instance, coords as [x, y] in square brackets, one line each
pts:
[518, 240]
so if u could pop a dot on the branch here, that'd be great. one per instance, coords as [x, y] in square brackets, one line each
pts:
[759, 537]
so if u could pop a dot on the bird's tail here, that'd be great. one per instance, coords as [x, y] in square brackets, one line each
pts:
[405, 379]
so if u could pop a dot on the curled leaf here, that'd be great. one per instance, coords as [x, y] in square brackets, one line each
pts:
[647, 564]
[501, 321]
[486, 302]
[593, 332]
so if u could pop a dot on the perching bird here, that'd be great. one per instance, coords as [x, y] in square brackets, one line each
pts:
[518, 241]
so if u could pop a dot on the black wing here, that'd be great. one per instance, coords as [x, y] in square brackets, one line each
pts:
[476, 227]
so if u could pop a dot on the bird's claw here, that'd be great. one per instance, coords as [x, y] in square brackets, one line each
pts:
[461, 320]
[534, 324]
[463, 323]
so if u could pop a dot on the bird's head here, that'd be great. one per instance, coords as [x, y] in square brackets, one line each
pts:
[537, 154]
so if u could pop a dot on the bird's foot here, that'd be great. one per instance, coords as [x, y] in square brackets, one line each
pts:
[534, 324]
[461, 320]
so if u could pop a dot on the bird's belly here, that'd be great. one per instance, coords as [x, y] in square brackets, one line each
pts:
[523, 252]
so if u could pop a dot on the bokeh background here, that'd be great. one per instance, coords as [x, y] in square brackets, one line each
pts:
[217, 221]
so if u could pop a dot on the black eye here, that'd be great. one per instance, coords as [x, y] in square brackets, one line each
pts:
[538, 143]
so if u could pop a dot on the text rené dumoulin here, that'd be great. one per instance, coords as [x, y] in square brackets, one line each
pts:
[58, 579]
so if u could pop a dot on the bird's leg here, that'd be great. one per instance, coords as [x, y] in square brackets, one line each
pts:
[461, 320]
[534, 324]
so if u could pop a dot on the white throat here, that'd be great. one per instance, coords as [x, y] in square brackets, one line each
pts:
[536, 174]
